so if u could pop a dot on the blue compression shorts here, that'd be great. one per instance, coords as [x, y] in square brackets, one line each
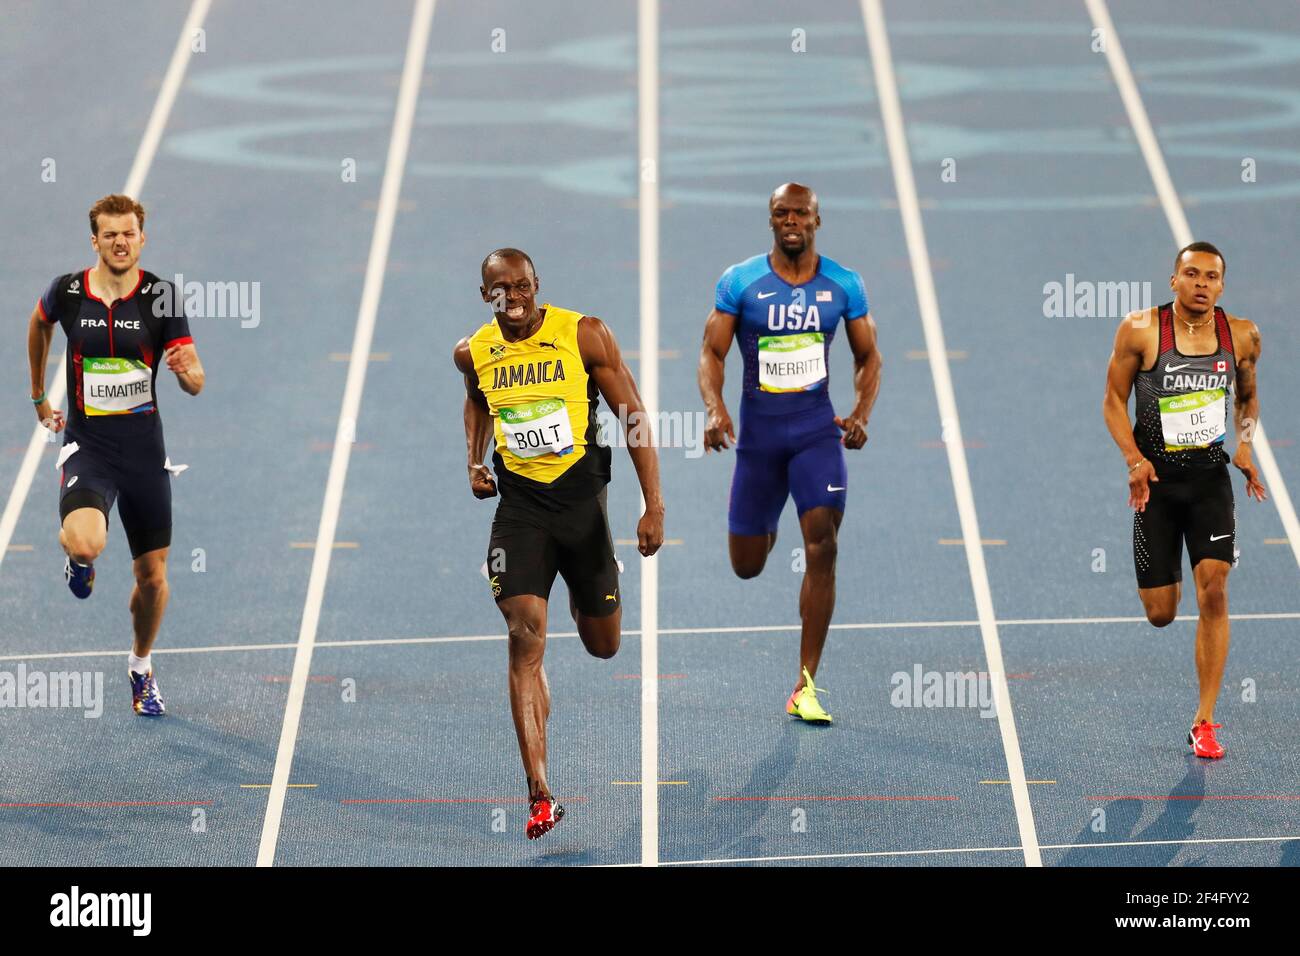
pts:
[782, 455]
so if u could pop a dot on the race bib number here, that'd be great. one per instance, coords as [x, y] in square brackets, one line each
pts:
[541, 428]
[116, 386]
[791, 363]
[1194, 420]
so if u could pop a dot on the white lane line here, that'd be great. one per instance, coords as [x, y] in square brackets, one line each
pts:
[978, 849]
[648, 147]
[1173, 207]
[764, 628]
[909, 208]
[846, 856]
[144, 156]
[385, 216]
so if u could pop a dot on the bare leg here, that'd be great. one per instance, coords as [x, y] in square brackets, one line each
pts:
[149, 599]
[1161, 603]
[749, 552]
[1212, 632]
[84, 535]
[600, 635]
[820, 528]
[530, 697]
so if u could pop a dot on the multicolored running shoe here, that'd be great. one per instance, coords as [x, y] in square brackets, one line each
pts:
[145, 698]
[80, 578]
[803, 702]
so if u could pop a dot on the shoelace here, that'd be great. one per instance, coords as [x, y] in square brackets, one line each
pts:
[149, 692]
[808, 683]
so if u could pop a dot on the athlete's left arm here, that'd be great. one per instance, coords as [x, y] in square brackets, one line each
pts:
[604, 363]
[184, 361]
[1246, 346]
[179, 353]
[867, 363]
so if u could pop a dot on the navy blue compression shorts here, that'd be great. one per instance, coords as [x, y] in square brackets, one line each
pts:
[788, 454]
[131, 473]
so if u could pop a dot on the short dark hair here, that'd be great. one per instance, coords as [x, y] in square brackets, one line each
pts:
[506, 253]
[115, 204]
[1200, 247]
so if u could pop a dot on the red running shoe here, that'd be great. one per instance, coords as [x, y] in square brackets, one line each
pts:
[543, 814]
[1202, 740]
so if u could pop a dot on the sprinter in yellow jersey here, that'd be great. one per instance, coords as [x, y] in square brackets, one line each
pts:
[531, 381]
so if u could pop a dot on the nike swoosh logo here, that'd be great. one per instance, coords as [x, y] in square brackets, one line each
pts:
[766, 295]
[1219, 537]
[831, 488]
[1175, 368]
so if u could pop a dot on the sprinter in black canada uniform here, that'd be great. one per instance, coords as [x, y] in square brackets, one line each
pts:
[122, 325]
[1186, 358]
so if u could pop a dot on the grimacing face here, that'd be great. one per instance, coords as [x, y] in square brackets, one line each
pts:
[511, 287]
[118, 241]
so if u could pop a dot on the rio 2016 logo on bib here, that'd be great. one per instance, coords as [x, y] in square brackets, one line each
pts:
[1193, 420]
[791, 363]
[540, 428]
[116, 386]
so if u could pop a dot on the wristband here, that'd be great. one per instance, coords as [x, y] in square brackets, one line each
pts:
[37, 401]
[1133, 467]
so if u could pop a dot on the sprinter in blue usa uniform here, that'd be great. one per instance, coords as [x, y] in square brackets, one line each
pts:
[784, 308]
[122, 324]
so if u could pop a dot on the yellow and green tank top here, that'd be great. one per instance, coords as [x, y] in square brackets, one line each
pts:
[543, 405]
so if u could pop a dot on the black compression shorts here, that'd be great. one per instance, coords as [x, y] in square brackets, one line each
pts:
[129, 472]
[1196, 507]
[530, 545]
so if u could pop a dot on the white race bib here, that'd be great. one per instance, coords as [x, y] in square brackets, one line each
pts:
[541, 428]
[1194, 420]
[791, 363]
[116, 386]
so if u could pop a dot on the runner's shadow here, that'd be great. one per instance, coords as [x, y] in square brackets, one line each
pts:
[563, 858]
[767, 778]
[1173, 823]
[1121, 817]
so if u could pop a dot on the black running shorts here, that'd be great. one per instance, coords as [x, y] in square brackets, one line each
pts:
[1196, 507]
[529, 545]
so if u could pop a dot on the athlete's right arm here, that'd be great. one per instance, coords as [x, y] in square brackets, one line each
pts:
[39, 334]
[719, 330]
[478, 424]
[1125, 362]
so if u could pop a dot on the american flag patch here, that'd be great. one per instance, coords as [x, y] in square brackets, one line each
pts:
[824, 295]
[1220, 366]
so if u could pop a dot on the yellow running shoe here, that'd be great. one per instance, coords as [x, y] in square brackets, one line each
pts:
[803, 702]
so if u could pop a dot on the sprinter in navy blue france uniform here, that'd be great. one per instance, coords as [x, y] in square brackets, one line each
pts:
[784, 309]
[122, 325]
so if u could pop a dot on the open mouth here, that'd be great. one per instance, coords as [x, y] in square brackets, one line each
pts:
[515, 311]
[791, 236]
